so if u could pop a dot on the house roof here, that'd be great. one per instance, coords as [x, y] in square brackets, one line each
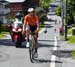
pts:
[3, 2]
[13, 1]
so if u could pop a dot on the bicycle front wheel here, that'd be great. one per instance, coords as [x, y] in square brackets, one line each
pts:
[31, 49]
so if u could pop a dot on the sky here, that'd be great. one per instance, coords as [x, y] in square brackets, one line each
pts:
[15, 0]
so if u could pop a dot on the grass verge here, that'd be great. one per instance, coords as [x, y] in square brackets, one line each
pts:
[41, 26]
[73, 54]
[71, 40]
[3, 34]
[70, 31]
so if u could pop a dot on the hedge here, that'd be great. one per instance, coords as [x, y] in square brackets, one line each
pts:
[4, 28]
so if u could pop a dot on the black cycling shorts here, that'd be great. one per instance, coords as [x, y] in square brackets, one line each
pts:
[33, 28]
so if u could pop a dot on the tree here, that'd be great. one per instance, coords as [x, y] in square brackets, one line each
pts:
[71, 11]
[45, 3]
[41, 13]
[58, 11]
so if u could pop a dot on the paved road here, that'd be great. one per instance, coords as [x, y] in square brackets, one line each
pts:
[48, 51]
[19, 57]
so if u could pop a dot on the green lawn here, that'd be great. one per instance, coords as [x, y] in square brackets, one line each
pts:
[41, 26]
[70, 31]
[73, 54]
[3, 34]
[71, 40]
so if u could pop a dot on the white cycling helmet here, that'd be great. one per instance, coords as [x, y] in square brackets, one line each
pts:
[31, 10]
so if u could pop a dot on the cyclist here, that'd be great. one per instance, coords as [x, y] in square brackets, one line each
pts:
[31, 24]
[17, 18]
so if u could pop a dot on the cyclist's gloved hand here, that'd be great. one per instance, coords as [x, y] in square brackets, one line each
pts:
[23, 32]
[36, 31]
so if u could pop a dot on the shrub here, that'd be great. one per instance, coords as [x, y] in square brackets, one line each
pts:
[41, 13]
[1, 26]
[4, 28]
[58, 11]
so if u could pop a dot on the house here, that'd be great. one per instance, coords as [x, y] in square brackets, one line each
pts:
[11, 7]
[21, 6]
[15, 6]
[4, 11]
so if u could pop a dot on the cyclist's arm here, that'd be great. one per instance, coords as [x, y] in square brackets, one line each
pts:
[37, 21]
[24, 27]
[25, 23]
[37, 25]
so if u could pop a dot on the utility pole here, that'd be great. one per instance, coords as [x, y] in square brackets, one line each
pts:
[62, 15]
[66, 20]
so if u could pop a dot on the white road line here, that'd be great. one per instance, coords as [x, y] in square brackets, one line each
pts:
[53, 61]
[53, 57]
[55, 44]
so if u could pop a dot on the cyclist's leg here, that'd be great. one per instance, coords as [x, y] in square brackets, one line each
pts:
[36, 41]
[33, 28]
[27, 36]
[36, 45]
[27, 33]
